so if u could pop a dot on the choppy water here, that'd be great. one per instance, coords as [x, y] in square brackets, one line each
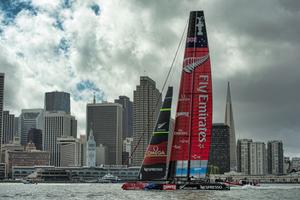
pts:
[113, 191]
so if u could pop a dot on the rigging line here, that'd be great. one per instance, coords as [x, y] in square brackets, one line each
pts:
[173, 61]
[171, 67]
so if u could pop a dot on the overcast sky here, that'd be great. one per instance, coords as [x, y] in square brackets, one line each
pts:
[104, 46]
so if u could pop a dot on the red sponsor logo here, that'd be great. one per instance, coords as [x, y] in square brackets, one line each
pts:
[169, 187]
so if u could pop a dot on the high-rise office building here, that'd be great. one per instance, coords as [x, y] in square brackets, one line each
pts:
[127, 115]
[91, 150]
[30, 118]
[57, 124]
[36, 136]
[243, 155]
[230, 122]
[219, 148]
[57, 101]
[106, 121]
[17, 127]
[275, 157]
[1, 104]
[8, 127]
[258, 158]
[146, 105]
[70, 151]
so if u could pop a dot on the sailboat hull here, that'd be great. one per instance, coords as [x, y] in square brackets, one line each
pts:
[177, 186]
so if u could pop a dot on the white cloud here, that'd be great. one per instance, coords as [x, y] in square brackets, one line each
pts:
[60, 46]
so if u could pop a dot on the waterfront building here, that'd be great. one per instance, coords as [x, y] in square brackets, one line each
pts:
[258, 158]
[146, 105]
[57, 124]
[275, 157]
[243, 155]
[106, 121]
[91, 150]
[12, 147]
[15, 146]
[2, 171]
[70, 151]
[30, 118]
[230, 122]
[219, 158]
[1, 104]
[295, 164]
[127, 124]
[8, 127]
[75, 174]
[101, 155]
[127, 150]
[286, 165]
[57, 101]
[36, 136]
[30, 157]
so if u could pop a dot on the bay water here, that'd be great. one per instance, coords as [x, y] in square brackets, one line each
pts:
[62, 191]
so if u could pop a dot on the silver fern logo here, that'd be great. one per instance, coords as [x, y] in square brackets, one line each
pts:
[192, 62]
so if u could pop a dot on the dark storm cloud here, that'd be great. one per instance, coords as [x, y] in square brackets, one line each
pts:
[264, 88]
[254, 45]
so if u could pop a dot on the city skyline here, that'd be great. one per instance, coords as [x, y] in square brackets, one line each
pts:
[84, 51]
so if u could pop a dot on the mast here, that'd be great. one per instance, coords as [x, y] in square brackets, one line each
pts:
[192, 132]
[155, 159]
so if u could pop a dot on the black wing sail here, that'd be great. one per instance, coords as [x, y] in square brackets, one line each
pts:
[155, 160]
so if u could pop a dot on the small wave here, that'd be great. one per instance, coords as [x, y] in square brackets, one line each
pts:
[267, 187]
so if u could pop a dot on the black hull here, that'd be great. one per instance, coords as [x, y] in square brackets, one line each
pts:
[203, 186]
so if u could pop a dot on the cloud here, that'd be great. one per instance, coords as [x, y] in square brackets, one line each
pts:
[86, 46]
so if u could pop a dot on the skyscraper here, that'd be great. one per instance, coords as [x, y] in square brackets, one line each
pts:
[146, 105]
[106, 121]
[243, 155]
[57, 124]
[8, 127]
[1, 105]
[57, 101]
[17, 127]
[275, 157]
[230, 122]
[258, 158]
[30, 118]
[219, 150]
[127, 115]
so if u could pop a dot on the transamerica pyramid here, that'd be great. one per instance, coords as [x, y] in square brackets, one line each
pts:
[230, 122]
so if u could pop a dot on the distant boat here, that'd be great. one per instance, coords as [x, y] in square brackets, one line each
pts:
[110, 178]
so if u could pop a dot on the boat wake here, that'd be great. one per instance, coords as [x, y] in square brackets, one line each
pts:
[267, 187]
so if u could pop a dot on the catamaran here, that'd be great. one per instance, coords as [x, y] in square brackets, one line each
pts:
[184, 164]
